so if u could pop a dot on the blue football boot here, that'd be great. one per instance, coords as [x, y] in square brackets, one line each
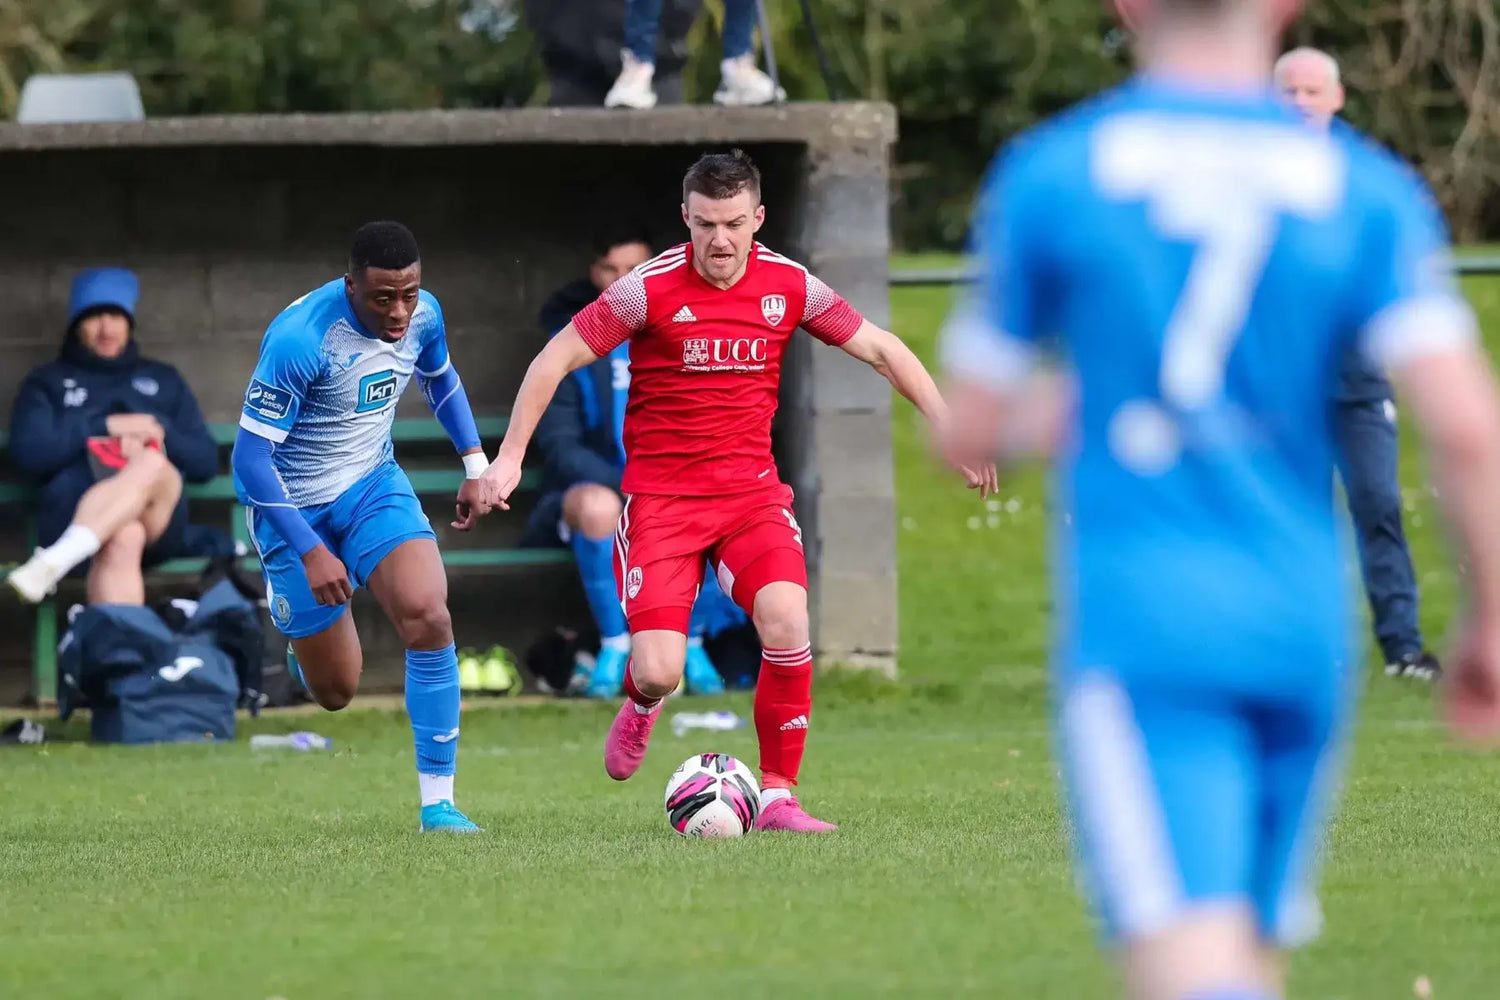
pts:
[608, 677]
[442, 817]
[702, 676]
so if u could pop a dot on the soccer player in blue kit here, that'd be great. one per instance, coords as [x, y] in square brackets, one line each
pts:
[329, 508]
[1198, 262]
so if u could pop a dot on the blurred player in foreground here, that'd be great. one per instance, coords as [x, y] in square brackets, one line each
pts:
[1203, 261]
[708, 323]
[1369, 448]
[329, 508]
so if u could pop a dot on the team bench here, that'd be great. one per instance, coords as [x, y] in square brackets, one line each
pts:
[428, 482]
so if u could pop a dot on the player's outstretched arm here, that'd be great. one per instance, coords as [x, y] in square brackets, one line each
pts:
[564, 354]
[1454, 398]
[444, 392]
[889, 355]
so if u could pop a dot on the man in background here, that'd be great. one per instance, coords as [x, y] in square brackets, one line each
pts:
[1366, 424]
[581, 443]
[109, 437]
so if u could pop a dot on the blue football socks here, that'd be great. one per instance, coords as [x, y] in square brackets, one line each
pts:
[432, 703]
[596, 567]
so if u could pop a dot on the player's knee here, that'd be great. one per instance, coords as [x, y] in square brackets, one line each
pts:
[125, 547]
[593, 509]
[426, 625]
[657, 659]
[334, 693]
[780, 616]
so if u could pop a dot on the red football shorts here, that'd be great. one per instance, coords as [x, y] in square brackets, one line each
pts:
[664, 542]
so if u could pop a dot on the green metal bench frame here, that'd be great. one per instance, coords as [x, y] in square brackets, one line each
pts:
[426, 483]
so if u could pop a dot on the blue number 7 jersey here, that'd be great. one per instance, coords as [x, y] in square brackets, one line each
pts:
[1203, 264]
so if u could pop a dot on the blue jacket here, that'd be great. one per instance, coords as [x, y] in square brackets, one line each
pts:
[62, 404]
[579, 438]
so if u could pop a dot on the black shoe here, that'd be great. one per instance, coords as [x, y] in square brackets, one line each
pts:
[1421, 666]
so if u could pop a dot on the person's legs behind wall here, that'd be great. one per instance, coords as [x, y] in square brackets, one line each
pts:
[144, 492]
[741, 82]
[632, 89]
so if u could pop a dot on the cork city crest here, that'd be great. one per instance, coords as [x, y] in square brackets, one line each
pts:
[773, 308]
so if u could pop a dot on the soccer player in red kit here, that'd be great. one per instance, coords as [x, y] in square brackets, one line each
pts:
[708, 323]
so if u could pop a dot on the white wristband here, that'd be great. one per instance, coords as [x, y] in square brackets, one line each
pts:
[474, 464]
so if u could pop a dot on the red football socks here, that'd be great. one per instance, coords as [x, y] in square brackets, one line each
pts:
[783, 700]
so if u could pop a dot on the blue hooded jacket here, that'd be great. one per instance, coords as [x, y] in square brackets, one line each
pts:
[62, 404]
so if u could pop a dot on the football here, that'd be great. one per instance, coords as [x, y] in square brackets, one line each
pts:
[712, 795]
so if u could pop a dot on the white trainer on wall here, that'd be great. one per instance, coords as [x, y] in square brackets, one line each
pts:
[80, 97]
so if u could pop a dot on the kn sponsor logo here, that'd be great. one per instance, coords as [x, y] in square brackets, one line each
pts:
[725, 354]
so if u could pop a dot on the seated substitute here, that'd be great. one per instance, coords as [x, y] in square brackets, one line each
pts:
[581, 442]
[109, 437]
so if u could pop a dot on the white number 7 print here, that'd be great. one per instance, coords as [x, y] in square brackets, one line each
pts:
[1221, 186]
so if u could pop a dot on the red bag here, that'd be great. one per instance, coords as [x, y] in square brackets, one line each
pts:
[106, 456]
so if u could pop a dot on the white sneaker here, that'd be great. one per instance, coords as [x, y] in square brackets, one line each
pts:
[742, 84]
[632, 88]
[33, 580]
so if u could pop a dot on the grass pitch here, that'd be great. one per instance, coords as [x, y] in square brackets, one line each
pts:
[214, 871]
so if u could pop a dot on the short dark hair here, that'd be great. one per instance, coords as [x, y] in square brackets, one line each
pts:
[722, 175]
[389, 246]
[617, 234]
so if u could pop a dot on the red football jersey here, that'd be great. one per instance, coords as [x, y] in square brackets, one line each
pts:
[705, 364]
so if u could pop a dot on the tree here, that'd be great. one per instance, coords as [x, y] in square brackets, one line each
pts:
[1425, 78]
[225, 56]
[965, 75]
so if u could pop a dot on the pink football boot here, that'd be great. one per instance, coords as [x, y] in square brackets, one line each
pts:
[629, 734]
[787, 814]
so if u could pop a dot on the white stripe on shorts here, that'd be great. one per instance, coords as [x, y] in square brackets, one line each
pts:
[1119, 814]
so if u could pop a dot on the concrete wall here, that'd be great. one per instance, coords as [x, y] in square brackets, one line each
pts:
[227, 220]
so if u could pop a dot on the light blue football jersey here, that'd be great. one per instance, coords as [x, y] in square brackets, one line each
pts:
[1202, 264]
[325, 391]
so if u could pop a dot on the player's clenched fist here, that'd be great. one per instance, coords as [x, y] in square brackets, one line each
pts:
[471, 506]
[499, 481]
[326, 576]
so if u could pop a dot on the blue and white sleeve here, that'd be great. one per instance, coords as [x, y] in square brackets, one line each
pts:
[1408, 301]
[444, 392]
[992, 334]
[289, 363]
